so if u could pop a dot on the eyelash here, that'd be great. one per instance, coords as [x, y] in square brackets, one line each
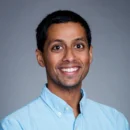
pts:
[57, 47]
[79, 44]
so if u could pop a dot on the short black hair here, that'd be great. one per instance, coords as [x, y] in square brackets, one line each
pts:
[60, 16]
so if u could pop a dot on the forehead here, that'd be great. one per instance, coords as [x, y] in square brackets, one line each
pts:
[69, 30]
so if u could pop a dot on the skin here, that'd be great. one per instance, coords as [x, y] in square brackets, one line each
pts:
[67, 59]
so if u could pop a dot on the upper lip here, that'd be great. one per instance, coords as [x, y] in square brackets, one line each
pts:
[66, 65]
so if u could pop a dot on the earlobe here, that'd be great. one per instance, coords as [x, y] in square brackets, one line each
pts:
[39, 57]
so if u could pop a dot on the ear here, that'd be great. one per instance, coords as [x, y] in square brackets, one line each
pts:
[39, 57]
[91, 54]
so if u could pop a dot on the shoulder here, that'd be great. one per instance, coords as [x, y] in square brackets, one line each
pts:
[107, 114]
[15, 120]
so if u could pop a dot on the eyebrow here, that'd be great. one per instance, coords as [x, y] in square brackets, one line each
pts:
[56, 40]
[81, 39]
[61, 41]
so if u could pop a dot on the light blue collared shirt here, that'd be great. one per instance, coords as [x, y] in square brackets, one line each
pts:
[49, 112]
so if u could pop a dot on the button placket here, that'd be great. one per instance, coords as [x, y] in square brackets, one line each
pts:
[78, 122]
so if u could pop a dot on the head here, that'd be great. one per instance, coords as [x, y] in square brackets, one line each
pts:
[61, 16]
[64, 48]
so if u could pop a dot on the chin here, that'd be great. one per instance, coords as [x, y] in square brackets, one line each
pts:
[69, 86]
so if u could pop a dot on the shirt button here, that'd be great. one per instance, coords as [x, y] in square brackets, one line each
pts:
[59, 114]
[67, 108]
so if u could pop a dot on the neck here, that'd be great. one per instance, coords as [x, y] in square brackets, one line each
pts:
[70, 96]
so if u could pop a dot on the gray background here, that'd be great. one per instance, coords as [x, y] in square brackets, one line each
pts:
[21, 78]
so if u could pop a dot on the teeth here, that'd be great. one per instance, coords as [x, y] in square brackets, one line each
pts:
[70, 69]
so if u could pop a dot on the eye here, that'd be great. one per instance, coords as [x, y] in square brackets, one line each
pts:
[57, 48]
[79, 46]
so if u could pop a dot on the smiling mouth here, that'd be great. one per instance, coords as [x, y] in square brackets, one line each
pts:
[70, 70]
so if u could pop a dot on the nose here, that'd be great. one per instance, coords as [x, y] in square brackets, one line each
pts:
[69, 55]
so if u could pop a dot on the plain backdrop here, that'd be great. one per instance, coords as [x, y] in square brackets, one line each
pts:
[22, 79]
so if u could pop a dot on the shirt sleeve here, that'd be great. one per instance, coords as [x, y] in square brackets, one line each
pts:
[10, 124]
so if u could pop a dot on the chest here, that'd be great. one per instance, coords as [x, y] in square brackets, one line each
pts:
[69, 122]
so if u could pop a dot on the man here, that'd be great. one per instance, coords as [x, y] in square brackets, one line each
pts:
[64, 49]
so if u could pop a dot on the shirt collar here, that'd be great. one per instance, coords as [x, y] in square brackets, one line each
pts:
[58, 105]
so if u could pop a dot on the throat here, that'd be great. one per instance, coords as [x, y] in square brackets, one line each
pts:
[76, 111]
[73, 101]
[71, 96]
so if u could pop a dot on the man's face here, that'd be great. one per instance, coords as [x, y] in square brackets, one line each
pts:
[66, 55]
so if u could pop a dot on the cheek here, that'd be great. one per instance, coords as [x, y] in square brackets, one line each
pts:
[52, 60]
[85, 58]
